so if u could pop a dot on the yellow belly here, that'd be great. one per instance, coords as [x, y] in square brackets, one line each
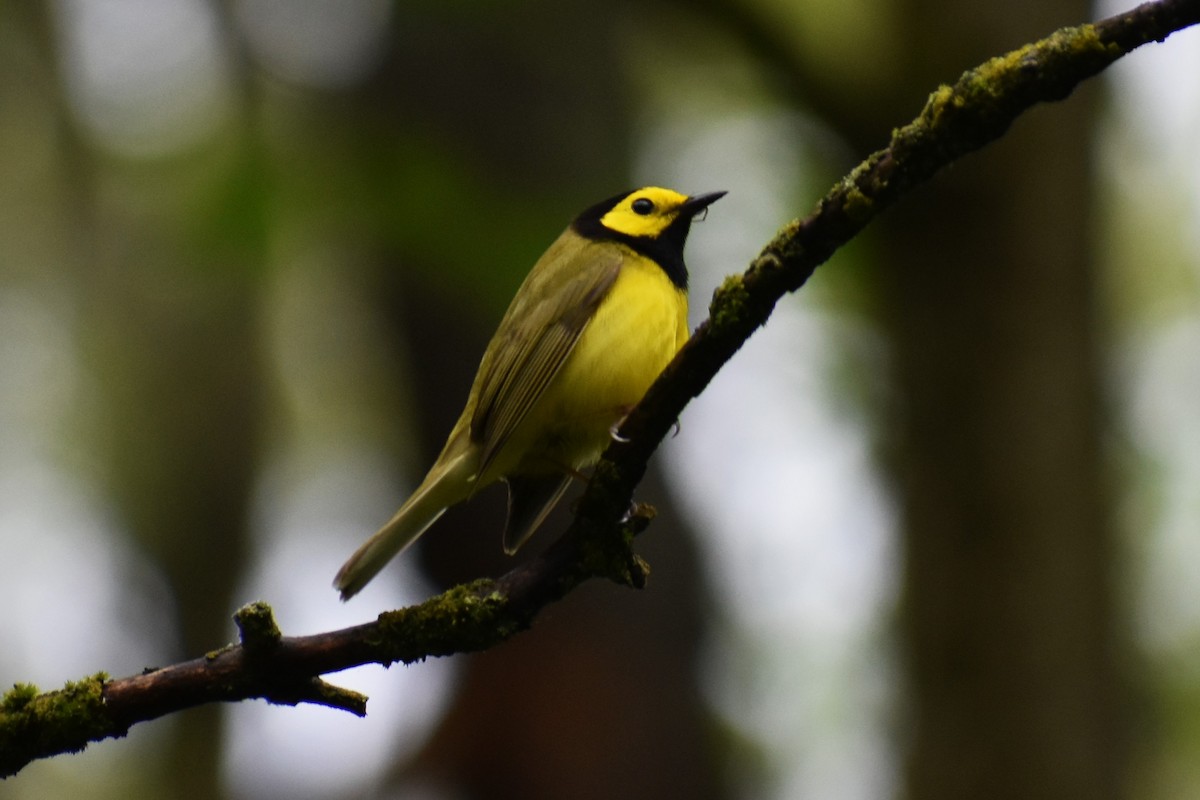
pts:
[635, 333]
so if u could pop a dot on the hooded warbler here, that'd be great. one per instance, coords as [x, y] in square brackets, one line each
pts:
[600, 315]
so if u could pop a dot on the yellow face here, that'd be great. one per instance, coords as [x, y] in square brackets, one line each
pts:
[646, 212]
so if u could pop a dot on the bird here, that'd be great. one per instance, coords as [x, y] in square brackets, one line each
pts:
[599, 316]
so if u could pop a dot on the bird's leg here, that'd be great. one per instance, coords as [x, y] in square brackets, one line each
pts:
[615, 428]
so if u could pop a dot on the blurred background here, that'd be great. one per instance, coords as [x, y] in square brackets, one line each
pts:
[932, 534]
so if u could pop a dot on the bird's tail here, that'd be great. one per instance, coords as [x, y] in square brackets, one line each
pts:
[441, 489]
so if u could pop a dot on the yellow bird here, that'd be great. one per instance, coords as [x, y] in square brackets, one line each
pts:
[600, 315]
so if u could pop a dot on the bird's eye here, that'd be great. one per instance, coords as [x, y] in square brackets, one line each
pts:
[642, 206]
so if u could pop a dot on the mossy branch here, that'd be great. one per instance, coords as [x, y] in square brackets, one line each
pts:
[956, 120]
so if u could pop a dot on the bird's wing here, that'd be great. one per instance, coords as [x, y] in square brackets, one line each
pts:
[548, 315]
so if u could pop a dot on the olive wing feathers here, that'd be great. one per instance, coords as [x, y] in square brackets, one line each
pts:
[541, 327]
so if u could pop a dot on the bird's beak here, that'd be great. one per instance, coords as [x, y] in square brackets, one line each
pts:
[695, 205]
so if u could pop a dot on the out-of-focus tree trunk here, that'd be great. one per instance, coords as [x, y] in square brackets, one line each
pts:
[182, 379]
[169, 333]
[991, 298]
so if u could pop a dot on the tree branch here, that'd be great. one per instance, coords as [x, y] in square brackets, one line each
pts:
[956, 120]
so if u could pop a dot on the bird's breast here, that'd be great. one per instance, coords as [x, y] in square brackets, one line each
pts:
[633, 335]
